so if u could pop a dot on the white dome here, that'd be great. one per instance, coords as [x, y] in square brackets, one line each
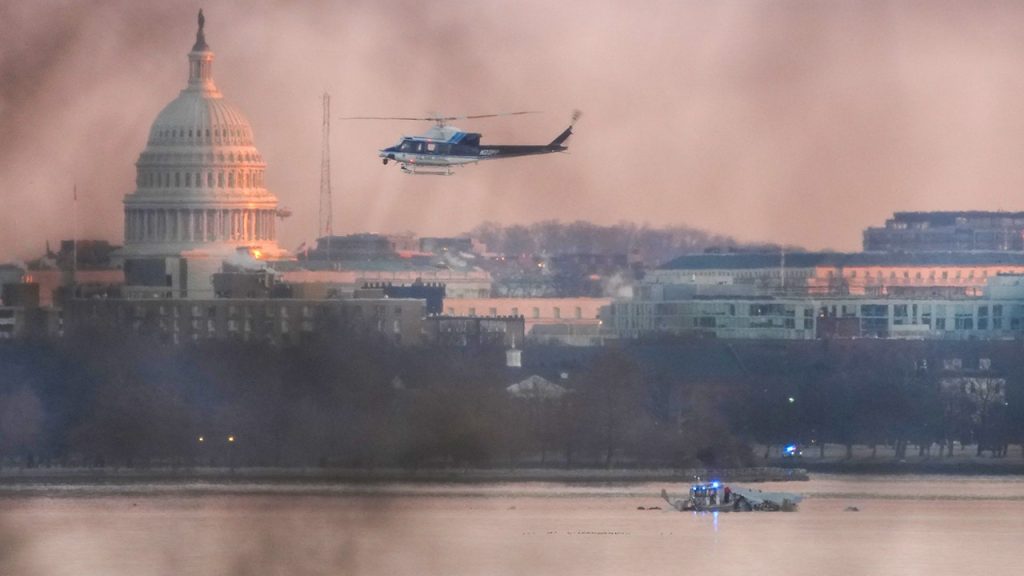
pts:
[199, 117]
[199, 183]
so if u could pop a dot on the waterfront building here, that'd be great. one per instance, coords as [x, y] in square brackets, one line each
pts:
[996, 313]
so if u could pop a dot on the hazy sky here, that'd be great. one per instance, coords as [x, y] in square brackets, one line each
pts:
[799, 122]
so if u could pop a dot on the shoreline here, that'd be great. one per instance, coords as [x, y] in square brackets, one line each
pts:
[24, 476]
[933, 467]
[774, 471]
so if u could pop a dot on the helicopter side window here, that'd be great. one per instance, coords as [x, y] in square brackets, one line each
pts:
[431, 147]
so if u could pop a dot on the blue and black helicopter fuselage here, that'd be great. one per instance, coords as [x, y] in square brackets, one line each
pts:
[446, 146]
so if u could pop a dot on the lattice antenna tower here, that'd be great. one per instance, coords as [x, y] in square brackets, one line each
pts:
[326, 213]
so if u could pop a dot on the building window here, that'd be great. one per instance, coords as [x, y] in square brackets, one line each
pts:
[515, 311]
[536, 312]
[556, 312]
[472, 311]
[493, 312]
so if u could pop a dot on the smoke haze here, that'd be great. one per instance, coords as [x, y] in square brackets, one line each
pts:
[794, 122]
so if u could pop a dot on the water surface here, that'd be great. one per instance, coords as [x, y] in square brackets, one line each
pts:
[906, 525]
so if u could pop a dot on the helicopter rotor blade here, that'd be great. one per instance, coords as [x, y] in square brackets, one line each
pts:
[424, 119]
[475, 116]
[441, 119]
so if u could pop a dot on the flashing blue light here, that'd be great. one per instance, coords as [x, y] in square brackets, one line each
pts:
[714, 484]
[791, 449]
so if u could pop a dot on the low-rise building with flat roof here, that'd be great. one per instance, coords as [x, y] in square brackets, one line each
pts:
[277, 321]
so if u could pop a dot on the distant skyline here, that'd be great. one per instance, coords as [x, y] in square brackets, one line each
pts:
[793, 122]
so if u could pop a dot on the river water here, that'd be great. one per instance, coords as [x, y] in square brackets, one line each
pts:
[905, 525]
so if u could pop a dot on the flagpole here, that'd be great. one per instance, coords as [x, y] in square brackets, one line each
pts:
[74, 238]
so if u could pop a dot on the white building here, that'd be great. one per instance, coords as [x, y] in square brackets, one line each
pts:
[996, 314]
[200, 197]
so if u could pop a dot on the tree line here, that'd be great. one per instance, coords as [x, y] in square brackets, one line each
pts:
[653, 245]
[102, 400]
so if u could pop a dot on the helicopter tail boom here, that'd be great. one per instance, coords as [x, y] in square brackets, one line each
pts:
[506, 151]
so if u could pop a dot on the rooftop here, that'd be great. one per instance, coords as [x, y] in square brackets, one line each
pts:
[841, 259]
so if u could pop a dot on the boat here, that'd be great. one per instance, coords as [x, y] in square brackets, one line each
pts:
[717, 497]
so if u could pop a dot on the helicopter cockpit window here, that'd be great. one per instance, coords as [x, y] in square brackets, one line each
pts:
[408, 146]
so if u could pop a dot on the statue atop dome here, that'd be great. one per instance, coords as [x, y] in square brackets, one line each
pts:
[200, 44]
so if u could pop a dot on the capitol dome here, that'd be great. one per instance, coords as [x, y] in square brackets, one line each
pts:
[200, 179]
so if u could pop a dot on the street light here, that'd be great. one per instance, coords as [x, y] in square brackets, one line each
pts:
[231, 452]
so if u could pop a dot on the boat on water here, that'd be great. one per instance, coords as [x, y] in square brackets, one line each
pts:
[717, 497]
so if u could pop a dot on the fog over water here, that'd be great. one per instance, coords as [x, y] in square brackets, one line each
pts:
[796, 122]
[906, 525]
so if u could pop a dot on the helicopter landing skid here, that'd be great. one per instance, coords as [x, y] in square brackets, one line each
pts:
[421, 172]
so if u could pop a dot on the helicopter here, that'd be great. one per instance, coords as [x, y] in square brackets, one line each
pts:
[444, 147]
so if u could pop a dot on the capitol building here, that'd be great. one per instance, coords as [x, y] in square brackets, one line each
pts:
[200, 197]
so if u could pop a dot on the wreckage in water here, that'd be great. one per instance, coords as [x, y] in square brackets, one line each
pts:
[717, 497]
